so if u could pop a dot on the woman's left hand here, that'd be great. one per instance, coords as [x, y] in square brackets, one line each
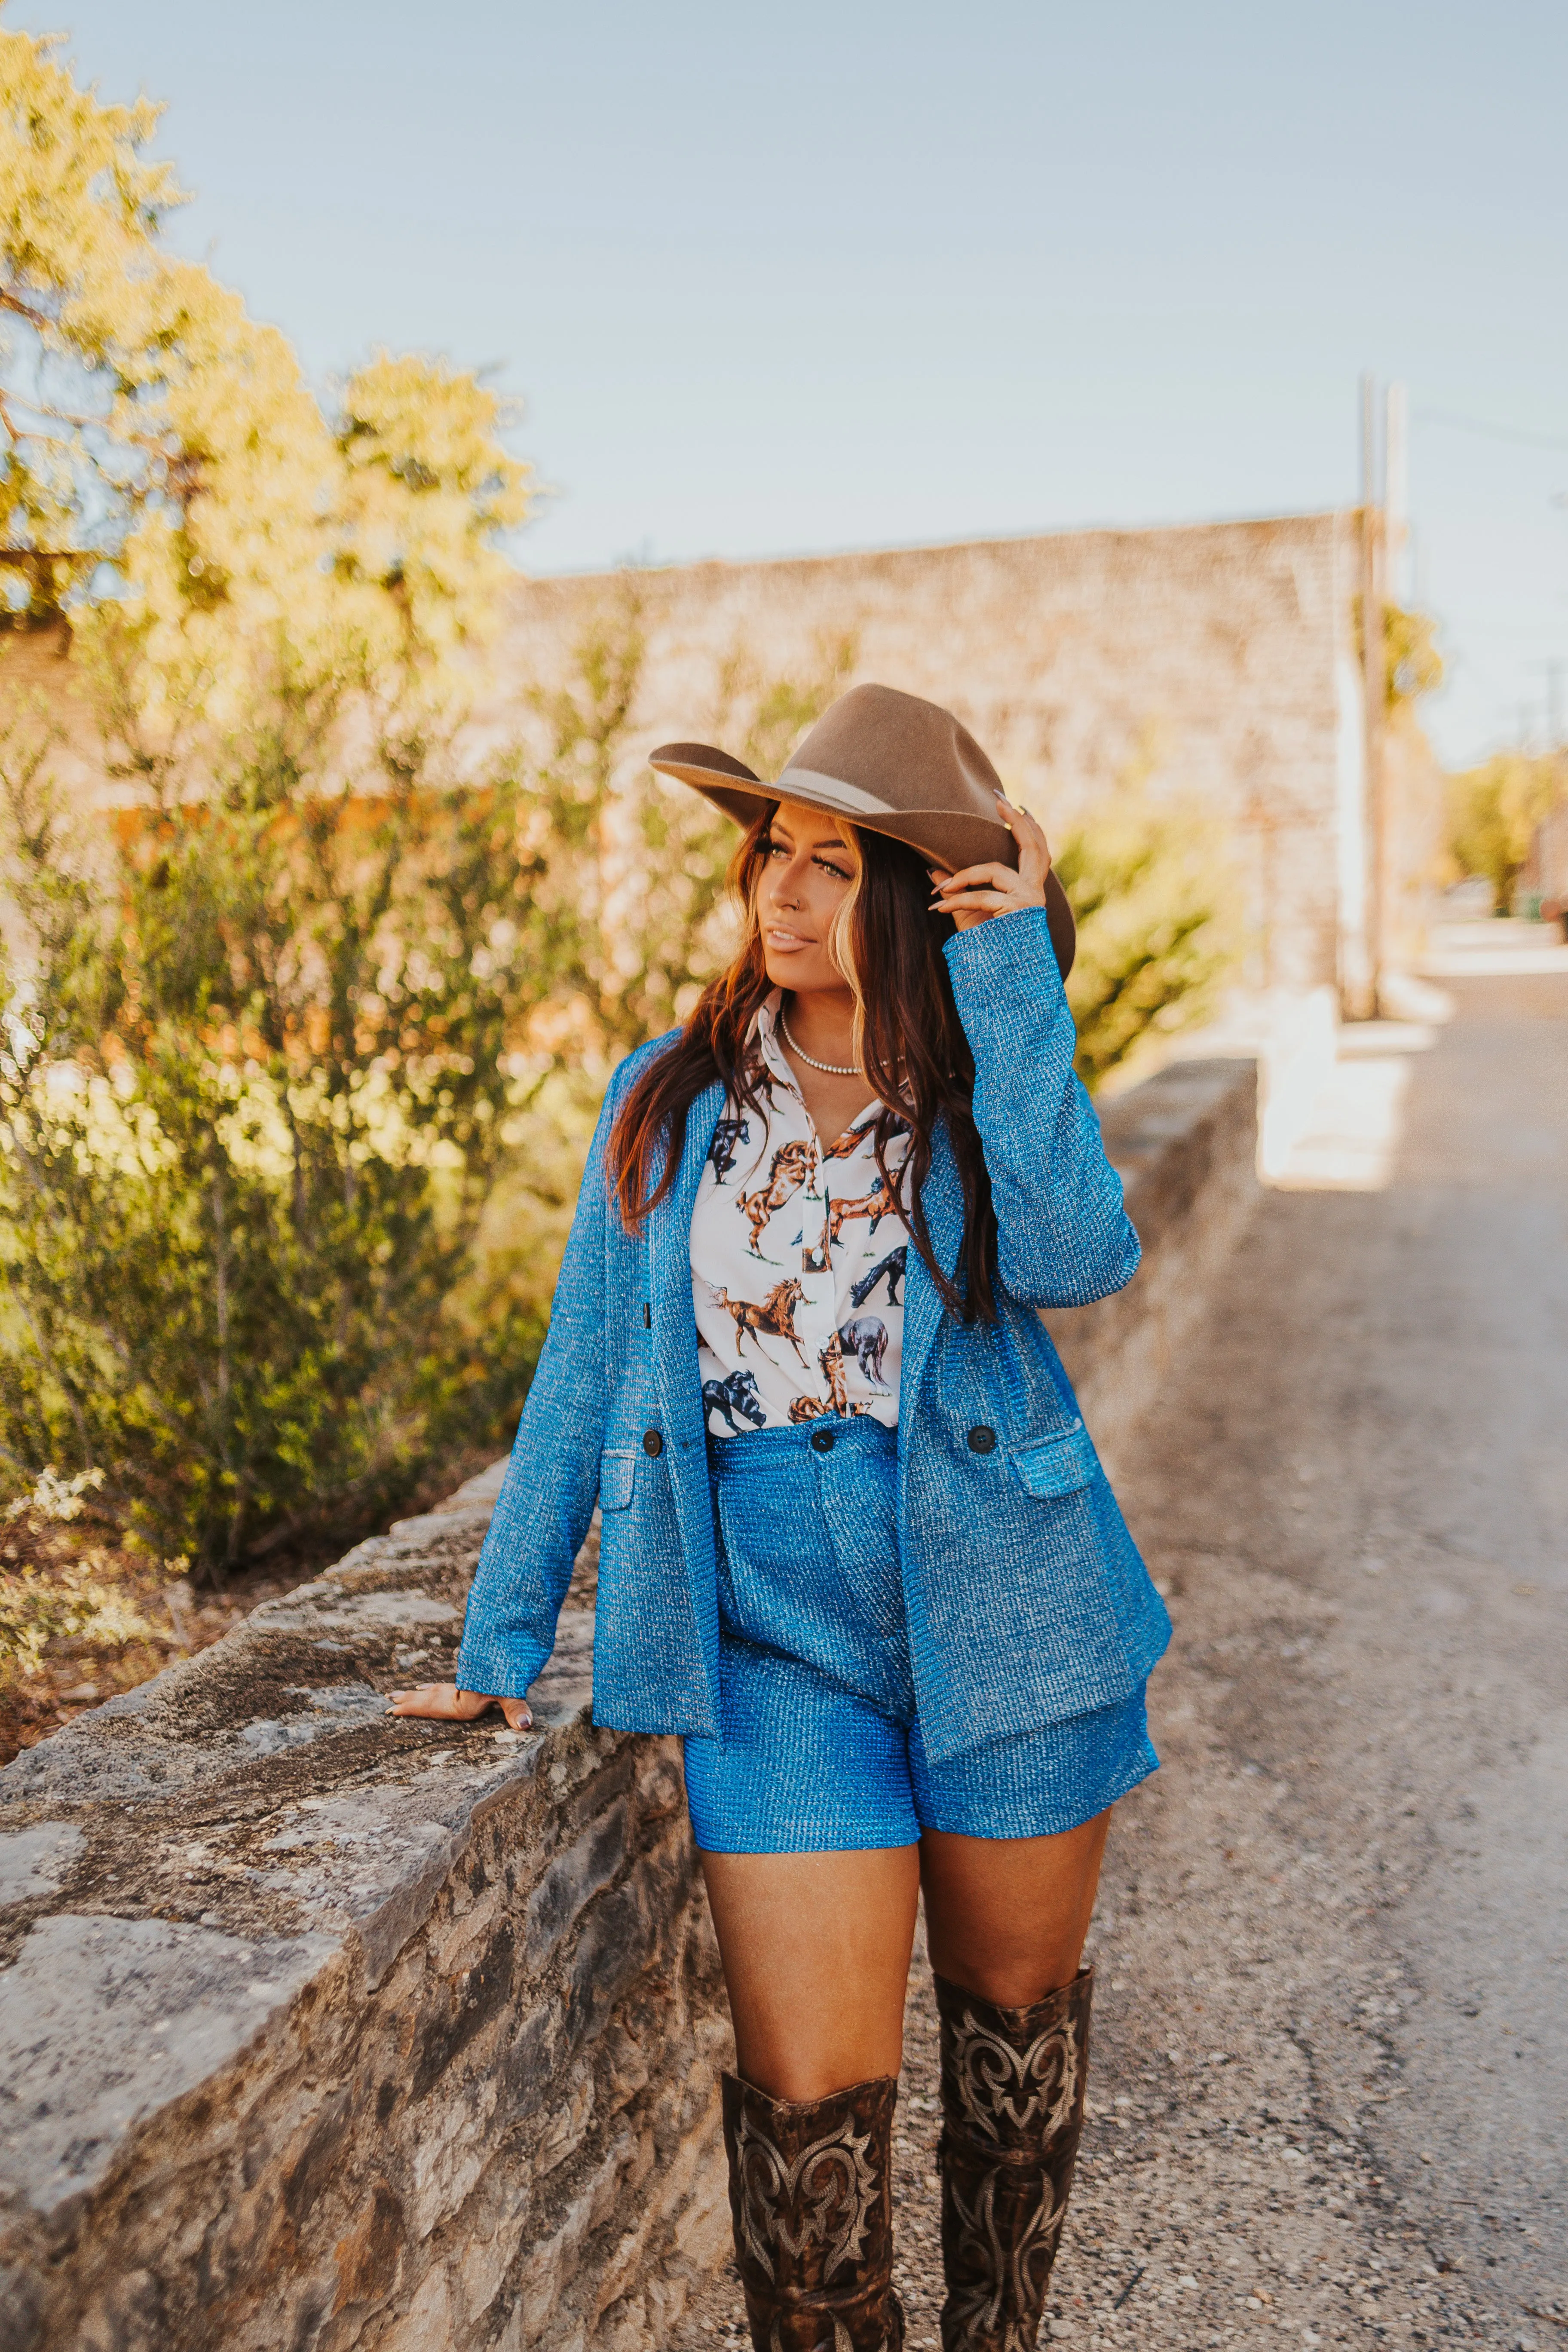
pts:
[445, 1703]
[975, 893]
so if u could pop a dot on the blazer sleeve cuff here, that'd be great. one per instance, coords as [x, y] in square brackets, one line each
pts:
[1016, 946]
[499, 1671]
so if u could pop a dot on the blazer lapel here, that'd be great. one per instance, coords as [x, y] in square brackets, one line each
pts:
[942, 1197]
[679, 1384]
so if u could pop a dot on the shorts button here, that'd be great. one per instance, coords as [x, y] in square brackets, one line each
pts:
[982, 1440]
[822, 1439]
[652, 1443]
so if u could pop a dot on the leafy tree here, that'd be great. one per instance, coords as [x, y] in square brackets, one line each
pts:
[1493, 811]
[170, 483]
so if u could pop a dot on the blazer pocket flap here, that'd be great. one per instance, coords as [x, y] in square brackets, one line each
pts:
[1059, 1465]
[618, 1468]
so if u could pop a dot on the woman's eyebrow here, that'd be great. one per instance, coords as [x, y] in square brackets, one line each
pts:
[782, 835]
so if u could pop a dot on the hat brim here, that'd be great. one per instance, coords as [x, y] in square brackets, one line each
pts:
[947, 837]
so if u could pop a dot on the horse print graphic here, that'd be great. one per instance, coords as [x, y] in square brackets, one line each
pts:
[876, 1205]
[865, 1336]
[773, 1317]
[831, 1358]
[892, 1265]
[790, 1167]
[766, 1201]
[727, 1134]
[738, 1394]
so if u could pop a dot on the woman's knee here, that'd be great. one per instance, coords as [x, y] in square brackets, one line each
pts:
[1006, 1917]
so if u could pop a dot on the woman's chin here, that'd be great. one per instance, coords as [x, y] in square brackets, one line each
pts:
[794, 968]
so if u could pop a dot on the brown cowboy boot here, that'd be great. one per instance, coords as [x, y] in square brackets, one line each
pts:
[810, 2197]
[1012, 2107]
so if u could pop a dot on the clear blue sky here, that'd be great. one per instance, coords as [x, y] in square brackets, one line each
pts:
[773, 280]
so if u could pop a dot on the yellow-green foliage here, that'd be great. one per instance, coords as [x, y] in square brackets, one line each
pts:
[1159, 924]
[1493, 811]
[161, 446]
[1414, 664]
[255, 1072]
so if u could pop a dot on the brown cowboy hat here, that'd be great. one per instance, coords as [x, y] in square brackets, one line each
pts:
[890, 763]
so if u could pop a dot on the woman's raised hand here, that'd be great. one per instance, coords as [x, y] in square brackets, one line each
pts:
[975, 893]
[445, 1703]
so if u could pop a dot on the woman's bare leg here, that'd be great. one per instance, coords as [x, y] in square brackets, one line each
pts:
[1006, 1917]
[815, 1949]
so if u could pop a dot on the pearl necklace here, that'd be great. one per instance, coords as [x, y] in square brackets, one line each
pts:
[828, 1069]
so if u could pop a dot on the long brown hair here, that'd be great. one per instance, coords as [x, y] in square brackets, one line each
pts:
[908, 1034]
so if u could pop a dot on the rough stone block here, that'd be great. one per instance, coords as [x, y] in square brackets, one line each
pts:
[104, 2022]
[33, 1862]
[427, 2325]
[562, 2133]
[572, 1881]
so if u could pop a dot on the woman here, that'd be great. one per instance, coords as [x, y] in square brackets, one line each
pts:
[855, 1544]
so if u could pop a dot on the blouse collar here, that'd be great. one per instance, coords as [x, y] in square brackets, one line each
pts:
[766, 1025]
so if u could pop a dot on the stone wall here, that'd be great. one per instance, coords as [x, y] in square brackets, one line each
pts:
[1185, 1144]
[322, 2029]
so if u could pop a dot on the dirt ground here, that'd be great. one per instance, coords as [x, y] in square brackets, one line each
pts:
[1328, 2094]
[181, 1616]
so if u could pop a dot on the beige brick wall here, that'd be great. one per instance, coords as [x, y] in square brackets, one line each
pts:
[1218, 656]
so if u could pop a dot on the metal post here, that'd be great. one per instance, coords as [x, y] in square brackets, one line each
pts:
[1373, 684]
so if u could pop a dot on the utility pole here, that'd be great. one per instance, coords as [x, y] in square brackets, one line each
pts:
[1396, 495]
[1362, 993]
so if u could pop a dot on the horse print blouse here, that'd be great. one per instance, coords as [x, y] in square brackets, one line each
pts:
[797, 1264]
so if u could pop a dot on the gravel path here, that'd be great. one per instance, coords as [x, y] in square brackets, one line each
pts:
[1329, 2098]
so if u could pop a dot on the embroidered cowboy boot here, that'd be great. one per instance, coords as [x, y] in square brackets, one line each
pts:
[1012, 2107]
[810, 2199]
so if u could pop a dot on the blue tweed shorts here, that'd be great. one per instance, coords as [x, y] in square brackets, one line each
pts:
[821, 1749]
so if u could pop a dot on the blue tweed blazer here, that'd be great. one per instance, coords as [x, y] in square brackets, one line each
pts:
[1026, 1598]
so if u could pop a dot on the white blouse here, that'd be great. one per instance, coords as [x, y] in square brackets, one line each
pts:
[797, 1263]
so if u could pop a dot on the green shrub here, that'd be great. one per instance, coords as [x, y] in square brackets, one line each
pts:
[1159, 925]
[51, 1586]
[253, 1096]
[298, 1067]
